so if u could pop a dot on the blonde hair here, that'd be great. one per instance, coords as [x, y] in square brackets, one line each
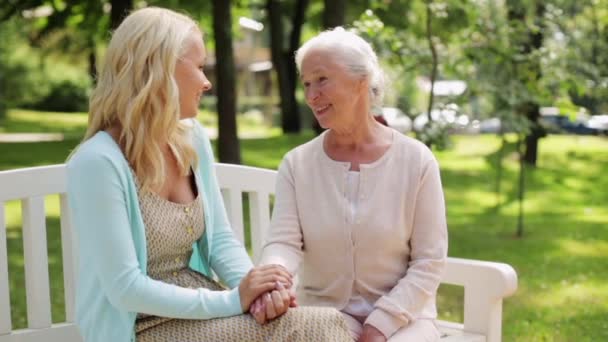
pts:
[137, 91]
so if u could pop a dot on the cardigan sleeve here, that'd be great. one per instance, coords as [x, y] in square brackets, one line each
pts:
[101, 215]
[284, 241]
[427, 259]
[227, 256]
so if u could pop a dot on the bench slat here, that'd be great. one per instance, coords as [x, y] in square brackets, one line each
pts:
[259, 214]
[233, 199]
[5, 301]
[245, 178]
[34, 181]
[36, 263]
[63, 332]
[69, 258]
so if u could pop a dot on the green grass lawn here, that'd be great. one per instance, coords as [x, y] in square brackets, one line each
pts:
[560, 261]
[73, 125]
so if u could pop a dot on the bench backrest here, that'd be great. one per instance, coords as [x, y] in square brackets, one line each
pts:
[258, 183]
[485, 283]
[30, 186]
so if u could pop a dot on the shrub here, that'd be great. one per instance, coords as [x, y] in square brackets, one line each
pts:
[64, 95]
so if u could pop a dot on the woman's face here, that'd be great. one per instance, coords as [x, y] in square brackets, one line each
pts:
[190, 77]
[331, 91]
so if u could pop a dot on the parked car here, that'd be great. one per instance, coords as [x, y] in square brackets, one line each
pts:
[556, 123]
[599, 123]
[443, 117]
[396, 119]
[490, 125]
[447, 117]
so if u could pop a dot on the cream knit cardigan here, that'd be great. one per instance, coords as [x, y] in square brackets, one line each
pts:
[393, 253]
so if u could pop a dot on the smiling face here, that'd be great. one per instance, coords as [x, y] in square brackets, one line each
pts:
[190, 77]
[333, 94]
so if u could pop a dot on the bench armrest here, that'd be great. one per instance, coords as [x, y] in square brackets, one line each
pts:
[485, 285]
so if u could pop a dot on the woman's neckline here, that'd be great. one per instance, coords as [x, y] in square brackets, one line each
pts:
[136, 180]
[347, 164]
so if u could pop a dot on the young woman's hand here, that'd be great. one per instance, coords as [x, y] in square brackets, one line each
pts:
[260, 280]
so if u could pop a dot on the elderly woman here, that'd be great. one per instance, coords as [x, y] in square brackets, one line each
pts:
[148, 212]
[359, 210]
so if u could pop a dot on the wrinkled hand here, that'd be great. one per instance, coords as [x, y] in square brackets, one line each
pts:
[273, 304]
[371, 334]
[260, 280]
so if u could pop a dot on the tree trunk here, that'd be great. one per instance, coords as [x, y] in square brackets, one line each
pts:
[228, 142]
[536, 132]
[529, 44]
[294, 44]
[533, 112]
[334, 15]
[290, 116]
[3, 106]
[522, 186]
[120, 9]
[92, 61]
[499, 168]
[435, 62]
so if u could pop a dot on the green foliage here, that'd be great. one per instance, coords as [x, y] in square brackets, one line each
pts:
[29, 78]
[436, 135]
[406, 45]
[579, 51]
[18, 77]
[64, 95]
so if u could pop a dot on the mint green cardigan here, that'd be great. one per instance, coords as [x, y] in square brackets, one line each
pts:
[112, 285]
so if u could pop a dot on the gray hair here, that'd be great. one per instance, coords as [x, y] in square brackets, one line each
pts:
[354, 53]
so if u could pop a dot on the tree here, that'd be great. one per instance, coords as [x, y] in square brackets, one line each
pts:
[84, 22]
[228, 143]
[334, 14]
[577, 34]
[527, 38]
[283, 60]
[421, 43]
[12, 76]
[507, 68]
[119, 10]
[434, 61]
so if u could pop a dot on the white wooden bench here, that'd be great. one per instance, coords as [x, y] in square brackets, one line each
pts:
[485, 283]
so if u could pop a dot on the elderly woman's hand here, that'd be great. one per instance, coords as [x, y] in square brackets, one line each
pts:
[272, 304]
[371, 334]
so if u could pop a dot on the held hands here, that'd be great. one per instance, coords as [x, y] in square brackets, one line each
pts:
[272, 304]
[371, 334]
[261, 280]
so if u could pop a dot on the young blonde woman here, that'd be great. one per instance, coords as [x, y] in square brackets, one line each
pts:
[148, 213]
